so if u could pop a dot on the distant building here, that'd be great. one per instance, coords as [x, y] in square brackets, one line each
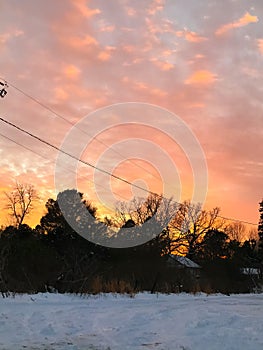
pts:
[251, 271]
[182, 263]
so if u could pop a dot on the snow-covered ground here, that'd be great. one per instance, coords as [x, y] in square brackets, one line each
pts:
[200, 322]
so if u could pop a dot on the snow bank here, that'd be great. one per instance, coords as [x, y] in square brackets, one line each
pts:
[160, 322]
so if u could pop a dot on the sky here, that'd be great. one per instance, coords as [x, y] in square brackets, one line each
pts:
[199, 61]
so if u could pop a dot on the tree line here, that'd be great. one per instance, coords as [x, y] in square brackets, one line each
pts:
[53, 256]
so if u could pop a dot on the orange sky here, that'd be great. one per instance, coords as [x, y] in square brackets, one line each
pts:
[201, 60]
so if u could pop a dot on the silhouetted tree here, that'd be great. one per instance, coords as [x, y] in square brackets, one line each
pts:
[253, 234]
[187, 230]
[141, 221]
[20, 202]
[70, 226]
[236, 231]
[215, 245]
[54, 223]
[138, 210]
[260, 225]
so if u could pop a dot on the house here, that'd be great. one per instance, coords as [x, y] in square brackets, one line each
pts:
[251, 271]
[184, 264]
[254, 275]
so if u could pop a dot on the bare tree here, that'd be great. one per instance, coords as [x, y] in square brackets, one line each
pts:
[146, 219]
[236, 231]
[189, 226]
[20, 202]
[141, 210]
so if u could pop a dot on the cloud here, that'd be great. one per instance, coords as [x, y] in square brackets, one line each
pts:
[60, 94]
[107, 28]
[144, 87]
[14, 33]
[241, 22]
[155, 7]
[130, 11]
[76, 56]
[202, 77]
[84, 9]
[190, 36]
[76, 41]
[163, 65]
[260, 45]
[104, 55]
[71, 71]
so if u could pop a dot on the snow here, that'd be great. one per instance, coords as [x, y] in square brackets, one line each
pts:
[146, 321]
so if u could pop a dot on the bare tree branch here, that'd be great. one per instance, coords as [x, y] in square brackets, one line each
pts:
[189, 226]
[20, 202]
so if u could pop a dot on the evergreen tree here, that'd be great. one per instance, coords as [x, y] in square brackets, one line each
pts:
[260, 224]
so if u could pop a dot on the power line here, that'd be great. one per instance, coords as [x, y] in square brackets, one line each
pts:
[29, 149]
[76, 158]
[42, 156]
[43, 105]
[237, 220]
[82, 161]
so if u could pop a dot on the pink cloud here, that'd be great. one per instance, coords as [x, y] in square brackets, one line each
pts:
[201, 77]
[107, 28]
[130, 11]
[241, 22]
[164, 66]
[13, 33]
[84, 9]
[87, 40]
[61, 94]
[260, 45]
[190, 36]
[104, 55]
[79, 63]
[138, 85]
[156, 6]
[71, 71]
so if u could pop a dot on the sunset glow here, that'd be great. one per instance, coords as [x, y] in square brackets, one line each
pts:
[202, 61]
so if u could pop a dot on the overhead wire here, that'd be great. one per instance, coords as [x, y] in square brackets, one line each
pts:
[237, 220]
[80, 160]
[117, 194]
[76, 158]
[94, 137]
[61, 166]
